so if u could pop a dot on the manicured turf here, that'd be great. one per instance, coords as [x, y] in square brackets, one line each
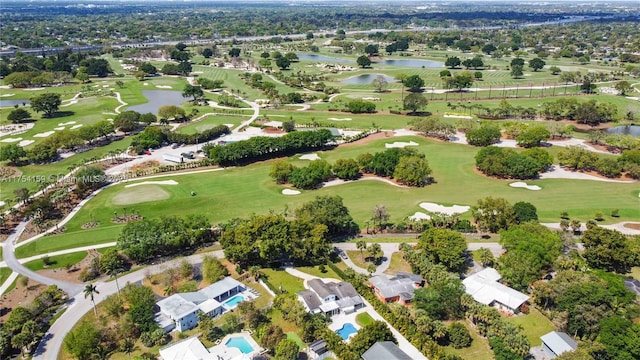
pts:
[4, 274]
[397, 264]
[280, 278]
[238, 192]
[57, 262]
[533, 325]
[293, 336]
[315, 271]
[140, 194]
[358, 258]
[364, 319]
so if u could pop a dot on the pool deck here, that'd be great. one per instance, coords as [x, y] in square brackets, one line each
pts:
[232, 353]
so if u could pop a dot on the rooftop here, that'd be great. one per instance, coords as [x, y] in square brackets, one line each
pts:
[485, 289]
[176, 307]
[385, 350]
[187, 349]
[310, 299]
[396, 286]
[220, 287]
[559, 342]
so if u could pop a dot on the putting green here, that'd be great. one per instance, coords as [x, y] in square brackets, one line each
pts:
[140, 194]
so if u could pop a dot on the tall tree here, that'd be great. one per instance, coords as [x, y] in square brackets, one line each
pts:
[48, 103]
[443, 246]
[193, 91]
[492, 214]
[89, 290]
[415, 102]
[607, 249]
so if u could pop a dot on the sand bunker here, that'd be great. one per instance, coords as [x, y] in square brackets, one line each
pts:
[458, 116]
[164, 182]
[290, 192]
[66, 123]
[6, 95]
[26, 142]
[2, 203]
[419, 216]
[146, 84]
[140, 195]
[44, 134]
[59, 128]
[10, 140]
[229, 125]
[339, 119]
[34, 89]
[163, 87]
[400, 144]
[449, 210]
[76, 126]
[310, 157]
[520, 184]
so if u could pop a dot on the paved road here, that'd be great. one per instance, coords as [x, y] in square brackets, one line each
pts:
[52, 341]
[15, 265]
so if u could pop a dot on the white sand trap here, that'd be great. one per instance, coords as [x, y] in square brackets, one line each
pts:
[275, 124]
[66, 123]
[290, 192]
[10, 140]
[449, 210]
[165, 182]
[419, 216]
[520, 184]
[44, 134]
[197, 72]
[6, 95]
[76, 126]
[26, 142]
[163, 86]
[339, 119]
[400, 144]
[458, 116]
[2, 203]
[310, 157]
[59, 128]
[106, 85]
[146, 84]
[34, 89]
[229, 125]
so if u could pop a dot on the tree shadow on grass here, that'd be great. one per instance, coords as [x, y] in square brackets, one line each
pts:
[60, 114]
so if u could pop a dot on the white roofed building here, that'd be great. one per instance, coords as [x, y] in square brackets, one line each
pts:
[485, 288]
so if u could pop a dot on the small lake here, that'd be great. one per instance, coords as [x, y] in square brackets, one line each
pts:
[13, 102]
[412, 63]
[364, 79]
[158, 98]
[633, 130]
[324, 58]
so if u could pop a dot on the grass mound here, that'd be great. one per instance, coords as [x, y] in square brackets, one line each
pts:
[140, 194]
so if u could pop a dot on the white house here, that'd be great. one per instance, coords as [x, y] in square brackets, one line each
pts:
[330, 298]
[180, 311]
[484, 287]
[556, 343]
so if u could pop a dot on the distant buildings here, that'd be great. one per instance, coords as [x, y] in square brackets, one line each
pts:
[330, 298]
[399, 288]
[385, 350]
[485, 288]
[180, 311]
[556, 343]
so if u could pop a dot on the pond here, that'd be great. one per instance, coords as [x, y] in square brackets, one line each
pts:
[13, 102]
[412, 63]
[364, 79]
[158, 98]
[324, 58]
[633, 130]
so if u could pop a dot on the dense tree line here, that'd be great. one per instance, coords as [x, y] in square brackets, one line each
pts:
[154, 136]
[260, 148]
[511, 164]
[577, 158]
[27, 323]
[143, 240]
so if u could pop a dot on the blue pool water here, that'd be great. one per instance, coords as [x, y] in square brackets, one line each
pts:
[240, 343]
[233, 302]
[346, 330]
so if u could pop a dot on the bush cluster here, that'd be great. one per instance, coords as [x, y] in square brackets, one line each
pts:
[511, 164]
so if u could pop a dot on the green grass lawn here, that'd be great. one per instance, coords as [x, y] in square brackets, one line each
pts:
[57, 262]
[280, 278]
[4, 274]
[397, 264]
[358, 258]
[364, 319]
[293, 336]
[211, 122]
[534, 325]
[315, 271]
[250, 190]
[479, 348]
[635, 272]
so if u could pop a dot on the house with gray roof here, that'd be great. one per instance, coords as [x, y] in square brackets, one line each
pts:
[180, 311]
[330, 298]
[399, 288]
[385, 350]
[556, 343]
[485, 288]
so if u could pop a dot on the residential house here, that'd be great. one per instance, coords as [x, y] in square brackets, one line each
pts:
[385, 350]
[556, 343]
[319, 350]
[485, 288]
[180, 311]
[399, 288]
[330, 298]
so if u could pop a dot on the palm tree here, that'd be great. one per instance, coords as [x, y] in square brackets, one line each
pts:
[361, 245]
[89, 290]
[255, 272]
[128, 346]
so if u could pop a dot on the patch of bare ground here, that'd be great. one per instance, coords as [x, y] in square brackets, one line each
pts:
[368, 139]
[24, 293]
[71, 274]
[634, 226]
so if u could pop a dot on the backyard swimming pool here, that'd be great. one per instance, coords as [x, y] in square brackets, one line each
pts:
[346, 330]
[234, 301]
[240, 343]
